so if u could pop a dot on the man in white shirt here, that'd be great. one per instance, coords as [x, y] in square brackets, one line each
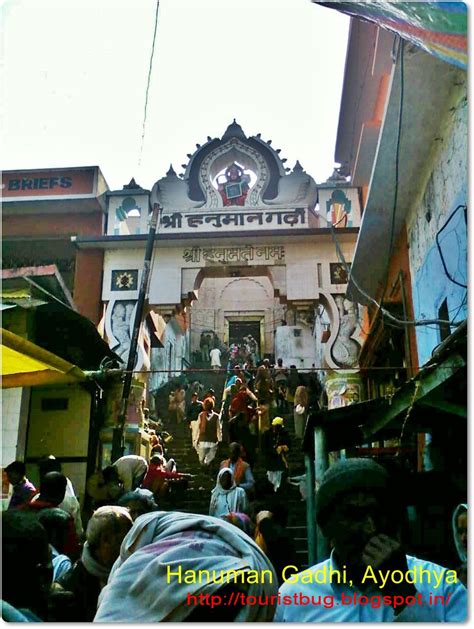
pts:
[131, 470]
[368, 577]
[215, 356]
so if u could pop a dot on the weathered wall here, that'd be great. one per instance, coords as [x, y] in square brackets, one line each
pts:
[64, 433]
[85, 224]
[88, 283]
[11, 406]
[444, 191]
[295, 345]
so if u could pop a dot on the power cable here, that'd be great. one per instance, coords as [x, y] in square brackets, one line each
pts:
[367, 297]
[142, 141]
[438, 245]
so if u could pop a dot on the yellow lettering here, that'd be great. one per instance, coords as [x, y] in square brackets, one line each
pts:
[321, 576]
[409, 573]
[369, 574]
[451, 576]
[252, 576]
[307, 577]
[190, 576]
[384, 580]
[438, 578]
[270, 576]
[291, 579]
[170, 574]
[334, 574]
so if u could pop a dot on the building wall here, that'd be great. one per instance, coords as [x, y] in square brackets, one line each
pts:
[66, 224]
[64, 433]
[400, 263]
[295, 345]
[88, 283]
[306, 269]
[11, 406]
[445, 189]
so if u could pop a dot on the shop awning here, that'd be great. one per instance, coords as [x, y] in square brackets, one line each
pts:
[25, 364]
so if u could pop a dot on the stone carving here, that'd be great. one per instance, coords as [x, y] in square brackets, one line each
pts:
[297, 188]
[345, 350]
[234, 254]
[223, 156]
[235, 155]
[234, 187]
[171, 193]
[120, 324]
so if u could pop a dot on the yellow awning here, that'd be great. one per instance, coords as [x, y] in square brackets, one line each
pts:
[25, 364]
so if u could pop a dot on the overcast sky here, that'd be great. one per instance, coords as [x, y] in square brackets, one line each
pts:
[75, 75]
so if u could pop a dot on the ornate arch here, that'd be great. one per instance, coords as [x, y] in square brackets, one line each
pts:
[246, 279]
[222, 156]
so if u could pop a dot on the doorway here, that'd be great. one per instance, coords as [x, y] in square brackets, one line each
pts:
[238, 330]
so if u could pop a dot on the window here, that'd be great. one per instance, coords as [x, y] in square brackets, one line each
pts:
[54, 404]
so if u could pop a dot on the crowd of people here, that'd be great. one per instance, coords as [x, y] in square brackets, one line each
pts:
[217, 354]
[118, 569]
[150, 565]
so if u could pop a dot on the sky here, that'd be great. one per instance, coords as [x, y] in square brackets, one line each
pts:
[74, 82]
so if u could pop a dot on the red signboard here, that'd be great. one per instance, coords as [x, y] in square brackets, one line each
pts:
[48, 183]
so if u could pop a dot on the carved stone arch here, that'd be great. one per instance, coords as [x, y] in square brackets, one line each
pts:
[222, 156]
[245, 279]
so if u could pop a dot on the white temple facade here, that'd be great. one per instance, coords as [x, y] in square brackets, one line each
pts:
[244, 245]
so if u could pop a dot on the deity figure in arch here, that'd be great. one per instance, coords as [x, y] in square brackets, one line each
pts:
[235, 186]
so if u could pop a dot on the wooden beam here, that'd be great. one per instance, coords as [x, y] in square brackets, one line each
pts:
[442, 405]
[422, 385]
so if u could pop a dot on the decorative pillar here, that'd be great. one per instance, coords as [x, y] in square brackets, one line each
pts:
[321, 464]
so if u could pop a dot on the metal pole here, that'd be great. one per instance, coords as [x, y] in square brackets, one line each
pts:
[310, 510]
[321, 464]
[118, 431]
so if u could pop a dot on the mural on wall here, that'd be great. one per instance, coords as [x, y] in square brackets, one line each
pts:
[343, 388]
[338, 273]
[119, 319]
[121, 323]
[345, 350]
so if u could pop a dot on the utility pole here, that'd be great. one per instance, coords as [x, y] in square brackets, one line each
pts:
[118, 431]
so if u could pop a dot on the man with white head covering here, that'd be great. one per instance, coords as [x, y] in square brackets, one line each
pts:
[226, 497]
[148, 584]
[105, 532]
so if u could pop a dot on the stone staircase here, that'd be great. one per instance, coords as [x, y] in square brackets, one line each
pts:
[196, 498]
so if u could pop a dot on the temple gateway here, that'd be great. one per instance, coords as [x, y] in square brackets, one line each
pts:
[246, 251]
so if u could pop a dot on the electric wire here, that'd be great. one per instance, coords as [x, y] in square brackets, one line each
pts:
[438, 245]
[142, 140]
